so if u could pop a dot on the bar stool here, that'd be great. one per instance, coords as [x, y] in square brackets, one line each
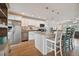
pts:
[68, 39]
[55, 43]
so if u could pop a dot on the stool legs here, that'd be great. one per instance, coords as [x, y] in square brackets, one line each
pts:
[60, 49]
[67, 45]
[55, 49]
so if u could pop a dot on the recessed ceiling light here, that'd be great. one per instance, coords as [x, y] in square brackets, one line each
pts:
[32, 15]
[58, 13]
[75, 21]
[52, 10]
[44, 18]
[23, 13]
[39, 17]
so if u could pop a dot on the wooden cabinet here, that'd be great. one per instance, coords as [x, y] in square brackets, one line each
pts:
[3, 19]
[3, 32]
[3, 28]
[3, 10]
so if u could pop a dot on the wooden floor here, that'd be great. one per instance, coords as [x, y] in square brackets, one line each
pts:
[25, 49]
[28, 49]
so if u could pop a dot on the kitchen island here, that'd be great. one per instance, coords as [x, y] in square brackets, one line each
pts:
[40, 42]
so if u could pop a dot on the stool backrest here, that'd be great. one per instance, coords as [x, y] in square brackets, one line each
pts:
[70, 32]
[58, 35]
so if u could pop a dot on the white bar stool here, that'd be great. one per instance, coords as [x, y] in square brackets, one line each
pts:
[55, 43]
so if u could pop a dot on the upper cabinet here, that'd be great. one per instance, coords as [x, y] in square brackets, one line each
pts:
[3, 19]
[3, 15]
[3, 29]
[3, 10]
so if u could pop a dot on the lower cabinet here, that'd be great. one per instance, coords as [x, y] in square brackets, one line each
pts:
[31, 35]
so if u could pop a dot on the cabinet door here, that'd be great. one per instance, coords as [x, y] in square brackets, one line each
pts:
[37, 40]
[31, 35]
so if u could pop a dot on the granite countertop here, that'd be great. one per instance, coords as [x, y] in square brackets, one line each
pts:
[42, 33]
[48, 35]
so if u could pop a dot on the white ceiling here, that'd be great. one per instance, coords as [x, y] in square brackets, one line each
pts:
[65, 10]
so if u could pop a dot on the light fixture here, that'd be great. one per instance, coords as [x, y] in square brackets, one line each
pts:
[46, 8]
[70, 25]
[57, 12]
[44, 18]
[32, 15]
[39, 17]
[52, 10]
[75, 21]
